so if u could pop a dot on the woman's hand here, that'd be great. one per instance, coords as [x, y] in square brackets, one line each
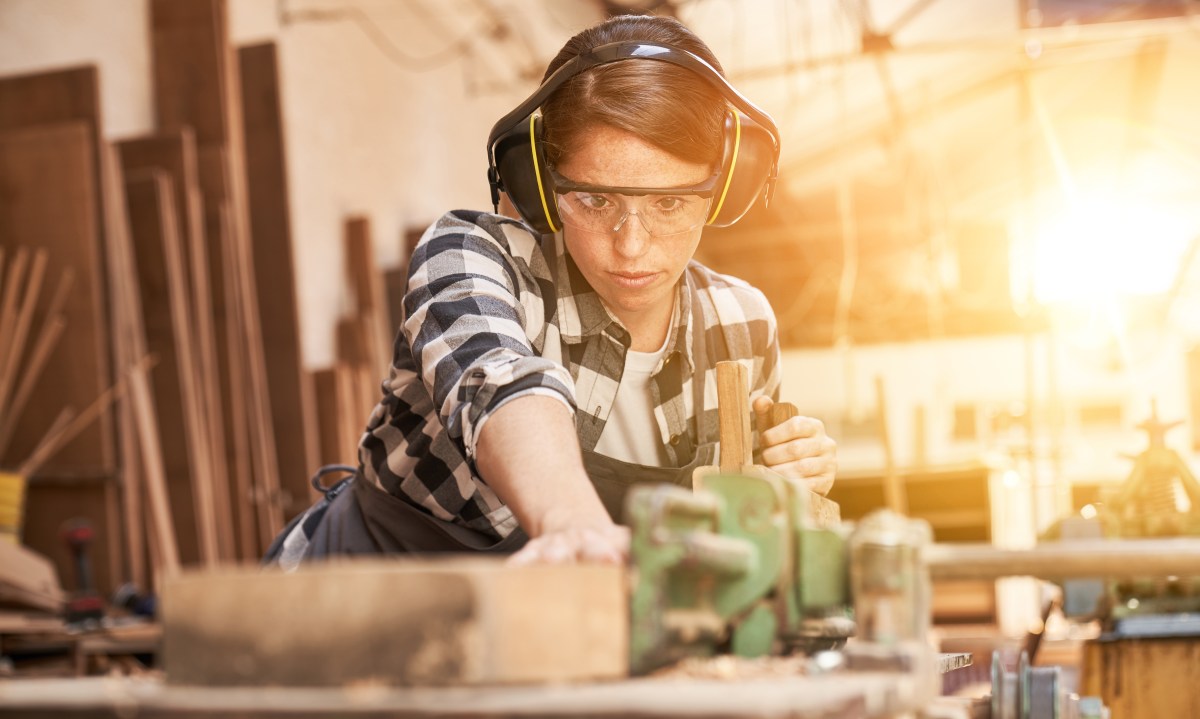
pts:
[798, 448]
[592, 542]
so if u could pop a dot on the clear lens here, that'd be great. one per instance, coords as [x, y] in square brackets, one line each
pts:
[609, 212]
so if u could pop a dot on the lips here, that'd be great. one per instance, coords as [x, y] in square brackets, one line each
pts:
[633, 280]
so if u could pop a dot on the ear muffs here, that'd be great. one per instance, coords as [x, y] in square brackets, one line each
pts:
[747, 170]
[517, 161]
[520, 162]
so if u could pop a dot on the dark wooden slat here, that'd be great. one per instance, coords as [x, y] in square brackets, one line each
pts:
[161, 279]
[175, 153]
[197, 84]
[338, 414]
[138, 410]
[293, 406]
[53, 206]
[51, 503]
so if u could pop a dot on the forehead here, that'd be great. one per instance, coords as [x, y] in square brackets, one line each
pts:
[607, 156]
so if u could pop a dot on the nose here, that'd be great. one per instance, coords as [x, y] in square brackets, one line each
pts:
[630, 237]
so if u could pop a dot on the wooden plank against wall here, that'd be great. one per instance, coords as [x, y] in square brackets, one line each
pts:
[292, 403]
[197, 84]
[338, 415]
[175, 154]
[131, 356]
[162, 281]
[51, 502]
[70, 221]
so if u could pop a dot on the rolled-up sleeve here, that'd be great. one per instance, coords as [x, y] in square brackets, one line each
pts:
[470, 331]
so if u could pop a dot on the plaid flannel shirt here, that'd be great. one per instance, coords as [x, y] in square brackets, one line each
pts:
[493, 312]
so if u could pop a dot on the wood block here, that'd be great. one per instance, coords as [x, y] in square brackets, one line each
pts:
[445, 622]
[27, 579]
[1144, 678]
[293, 406]
[54, 207]
[733, 407]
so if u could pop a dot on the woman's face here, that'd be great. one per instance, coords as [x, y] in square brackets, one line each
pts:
[632, 271]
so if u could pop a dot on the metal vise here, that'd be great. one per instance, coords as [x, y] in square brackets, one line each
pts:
[733, 567]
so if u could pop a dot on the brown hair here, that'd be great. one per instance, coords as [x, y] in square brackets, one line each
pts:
[668, 106]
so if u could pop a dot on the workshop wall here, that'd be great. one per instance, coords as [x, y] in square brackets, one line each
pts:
[396, 139]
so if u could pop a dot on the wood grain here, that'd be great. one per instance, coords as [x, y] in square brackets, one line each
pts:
[54, 208]
[408, 623]
[293, 407]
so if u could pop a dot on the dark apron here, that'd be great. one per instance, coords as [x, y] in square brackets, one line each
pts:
[361, 518]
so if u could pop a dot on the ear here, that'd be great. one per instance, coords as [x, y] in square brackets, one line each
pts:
[747, 169]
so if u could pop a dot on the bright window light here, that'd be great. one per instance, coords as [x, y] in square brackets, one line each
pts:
[1107, 247]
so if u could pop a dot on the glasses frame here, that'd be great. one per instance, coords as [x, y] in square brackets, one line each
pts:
[706, 189]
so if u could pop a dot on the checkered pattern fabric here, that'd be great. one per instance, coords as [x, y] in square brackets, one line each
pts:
[493, 312]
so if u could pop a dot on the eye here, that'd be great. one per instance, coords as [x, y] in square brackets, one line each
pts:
[670, 203]
[593, 202]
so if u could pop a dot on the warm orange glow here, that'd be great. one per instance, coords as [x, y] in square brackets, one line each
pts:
[1104, 248]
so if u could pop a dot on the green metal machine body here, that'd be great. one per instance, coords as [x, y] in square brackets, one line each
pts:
[733, 567]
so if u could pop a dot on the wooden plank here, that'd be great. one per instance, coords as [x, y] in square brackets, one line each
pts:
[893, 489]
[737, 456]
[411, 623]
[197, 84]
[162, 282]
[836, 695]
[49, 503]
[54, 208]
[175, 153]
[293, 407]
[27, 579]
[337, 416]
[733, 408]
[369, 294]
[133, 361]
[1144, 679]
[189, 51]
[248, 492]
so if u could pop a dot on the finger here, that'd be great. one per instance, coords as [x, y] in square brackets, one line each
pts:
[525, 557]
[809, 468]
[558, 549]
[601, 549]
[797, 427]
[792, 450]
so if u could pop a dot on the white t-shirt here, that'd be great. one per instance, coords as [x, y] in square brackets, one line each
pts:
[631, 434]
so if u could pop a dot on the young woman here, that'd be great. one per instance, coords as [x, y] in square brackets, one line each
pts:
[548, 363]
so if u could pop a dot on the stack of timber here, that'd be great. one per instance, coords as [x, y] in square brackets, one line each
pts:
[176, 333]
[348, 391]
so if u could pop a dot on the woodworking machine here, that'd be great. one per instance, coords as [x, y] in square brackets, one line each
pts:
[736, 566]
[1160, 499]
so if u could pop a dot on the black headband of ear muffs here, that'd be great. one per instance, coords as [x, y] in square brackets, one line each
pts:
[516, 160]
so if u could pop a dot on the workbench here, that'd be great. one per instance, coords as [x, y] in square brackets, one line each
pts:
[856, 695]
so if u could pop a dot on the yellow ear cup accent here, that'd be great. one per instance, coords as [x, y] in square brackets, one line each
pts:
[537, 171]
[737, 143]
